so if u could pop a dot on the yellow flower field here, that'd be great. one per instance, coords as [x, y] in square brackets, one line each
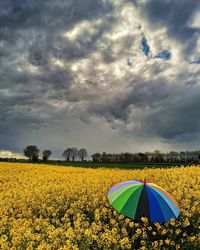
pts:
[48, 207]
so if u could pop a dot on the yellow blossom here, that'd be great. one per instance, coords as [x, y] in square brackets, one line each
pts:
[167, 241]
[178, 231]
[48, 207]
[186, 222]
[164, 231]
[138, 231]
[143, 242]
[192, 238]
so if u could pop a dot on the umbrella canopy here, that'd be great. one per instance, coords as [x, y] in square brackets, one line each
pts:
[137, 199]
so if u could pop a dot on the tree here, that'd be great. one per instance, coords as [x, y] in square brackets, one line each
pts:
[74, 152]
[104, 157]
[32, 152]
[82, 153]
[127, 157]
[149, 156]
[96, 157]
[142, 157]
[173, 156]
[157, 156]
[46, 154]
[67, 154]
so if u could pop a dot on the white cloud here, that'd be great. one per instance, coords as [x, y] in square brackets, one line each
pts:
[194, 22]
[10, 154]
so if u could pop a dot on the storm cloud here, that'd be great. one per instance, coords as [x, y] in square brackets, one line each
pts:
[105, 75]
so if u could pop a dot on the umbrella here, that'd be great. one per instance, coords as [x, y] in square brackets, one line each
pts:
[137, 198]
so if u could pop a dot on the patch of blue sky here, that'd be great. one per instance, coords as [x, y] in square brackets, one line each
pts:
[197, 61]
[145, 46]
[165, 55]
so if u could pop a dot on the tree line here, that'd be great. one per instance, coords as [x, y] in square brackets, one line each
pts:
[149, 157]
[32, 152]
[72, 154]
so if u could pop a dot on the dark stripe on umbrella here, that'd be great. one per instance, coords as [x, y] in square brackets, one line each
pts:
[143, 205]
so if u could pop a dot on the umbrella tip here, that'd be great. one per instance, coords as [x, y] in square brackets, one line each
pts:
[145, 181]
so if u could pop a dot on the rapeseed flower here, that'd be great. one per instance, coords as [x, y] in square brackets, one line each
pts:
[47, 207]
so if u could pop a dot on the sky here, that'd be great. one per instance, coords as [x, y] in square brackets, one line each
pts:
[106, 75]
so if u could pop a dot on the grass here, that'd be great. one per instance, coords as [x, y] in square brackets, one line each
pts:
[135, 165]
[125, 165]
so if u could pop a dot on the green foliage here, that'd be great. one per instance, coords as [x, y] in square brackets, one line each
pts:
[46, 154]
[82, 153]
[32, 152]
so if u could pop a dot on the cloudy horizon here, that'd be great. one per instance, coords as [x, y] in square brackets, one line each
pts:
[114, 76]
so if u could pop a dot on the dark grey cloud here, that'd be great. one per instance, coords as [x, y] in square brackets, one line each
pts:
[143, 95]
[177, 118]
[35, 27]
[49, 14]
[72, 70]
[169, 112]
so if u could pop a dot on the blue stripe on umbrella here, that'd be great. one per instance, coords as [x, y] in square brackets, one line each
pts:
[166, 210]
[155, 210]
[169, 202]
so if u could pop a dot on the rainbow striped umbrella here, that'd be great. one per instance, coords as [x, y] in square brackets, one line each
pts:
[136, 199]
